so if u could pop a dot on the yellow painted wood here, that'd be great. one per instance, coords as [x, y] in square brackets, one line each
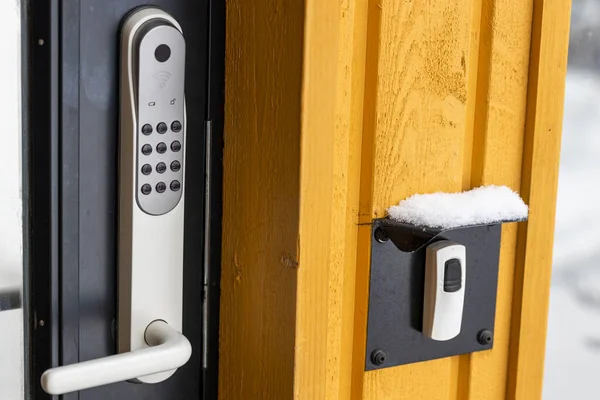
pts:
[337, 110]
[297, 222]
[549, 44]
[485, 147]
[261, 199]
[418, 119]
[346, 160]
[500, 110]
[318, 205]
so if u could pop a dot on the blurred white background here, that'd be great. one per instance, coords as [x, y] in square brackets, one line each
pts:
[11, 231]
[572, 368]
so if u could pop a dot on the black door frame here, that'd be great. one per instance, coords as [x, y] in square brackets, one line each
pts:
[50, 188]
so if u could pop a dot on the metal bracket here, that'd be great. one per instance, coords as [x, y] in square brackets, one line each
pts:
[394, 335]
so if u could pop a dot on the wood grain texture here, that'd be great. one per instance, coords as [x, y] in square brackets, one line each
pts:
[421, 98]
[500, 110]
[415, 124]
[303, 281]
[418, 138]
[337, 110]
[318, 205]
[261, 196]
[346, 185]
[549, 44]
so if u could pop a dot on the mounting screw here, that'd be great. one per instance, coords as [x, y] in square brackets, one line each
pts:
[381, 236]
[485, 337]
[378, 357]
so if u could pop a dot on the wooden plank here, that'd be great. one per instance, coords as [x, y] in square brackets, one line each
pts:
[346, 185]
[548, 65]
[318, 205]
[261, 198]
[363, 255]
[500, 108]
[302, 281]
[418, 61]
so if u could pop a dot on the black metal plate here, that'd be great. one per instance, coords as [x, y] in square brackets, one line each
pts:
[396, 292]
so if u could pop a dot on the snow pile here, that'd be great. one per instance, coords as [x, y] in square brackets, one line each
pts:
[483, 205]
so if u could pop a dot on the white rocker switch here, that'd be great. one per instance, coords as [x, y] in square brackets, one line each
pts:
[444, 290]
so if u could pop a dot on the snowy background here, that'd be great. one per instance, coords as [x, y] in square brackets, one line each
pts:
[11, 231]
[572, 369]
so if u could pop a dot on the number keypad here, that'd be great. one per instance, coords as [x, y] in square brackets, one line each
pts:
[160, 120]
[161, 158]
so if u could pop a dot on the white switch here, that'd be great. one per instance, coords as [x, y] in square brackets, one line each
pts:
[444, 290]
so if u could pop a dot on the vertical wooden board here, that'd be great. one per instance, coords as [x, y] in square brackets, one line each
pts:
[422, 94]
[500, 109]
[346, 172]
[501, 91]
[261, 199]
[548, 65]
[318, 204]
[419, 121]
[363, 253]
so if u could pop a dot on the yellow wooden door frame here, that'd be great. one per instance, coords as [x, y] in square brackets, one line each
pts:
[336, 110]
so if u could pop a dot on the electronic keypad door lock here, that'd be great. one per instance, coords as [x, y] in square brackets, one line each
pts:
[151, 211]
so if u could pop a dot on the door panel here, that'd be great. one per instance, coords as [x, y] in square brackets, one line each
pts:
[86, 59]
[97, 110]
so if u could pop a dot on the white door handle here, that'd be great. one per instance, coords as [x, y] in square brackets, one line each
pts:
[168, 351]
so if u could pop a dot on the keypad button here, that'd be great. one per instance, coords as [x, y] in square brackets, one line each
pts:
[146, 149]
[161, 167]
[175, 186]
[175, 146]
[161, 148]
[161, 187]
[175, 166]
[161, 127]
[176, 126]
[146, 169]
[146, 189]
[147, 129]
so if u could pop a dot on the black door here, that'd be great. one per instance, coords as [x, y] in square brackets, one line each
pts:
[72, 127]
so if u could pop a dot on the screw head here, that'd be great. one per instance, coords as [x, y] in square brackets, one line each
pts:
[378, 357]
[381, 236]
[485, 337]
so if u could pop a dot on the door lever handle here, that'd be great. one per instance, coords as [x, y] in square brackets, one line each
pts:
[168, 351]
